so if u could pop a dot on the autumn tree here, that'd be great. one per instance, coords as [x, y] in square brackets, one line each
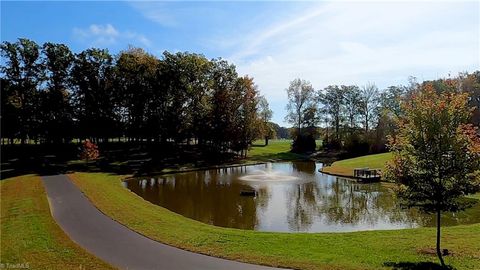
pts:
[436, 152]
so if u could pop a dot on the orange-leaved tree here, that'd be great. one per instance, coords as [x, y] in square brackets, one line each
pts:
[436, 153]
[89, 151]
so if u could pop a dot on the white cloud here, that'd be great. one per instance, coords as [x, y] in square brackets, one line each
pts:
[354, 43]
[106, 35]
[155, 11]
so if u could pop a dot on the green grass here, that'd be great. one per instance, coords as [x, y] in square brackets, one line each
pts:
[30, 235]
[345, 167]
[358, 250]
[275, 150]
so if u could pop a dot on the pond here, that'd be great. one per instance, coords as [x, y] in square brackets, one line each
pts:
[290, 197]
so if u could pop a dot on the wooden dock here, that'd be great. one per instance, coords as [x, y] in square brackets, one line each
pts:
[367, 174]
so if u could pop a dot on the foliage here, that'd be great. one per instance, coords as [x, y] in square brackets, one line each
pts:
[436, 152]
[89, 151]
[52, 95]
[302, 114]
[265, 113]
[304, 143]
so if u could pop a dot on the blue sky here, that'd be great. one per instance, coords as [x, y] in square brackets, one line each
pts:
[326, 43]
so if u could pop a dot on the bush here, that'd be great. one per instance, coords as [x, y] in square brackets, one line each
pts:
[303, 144]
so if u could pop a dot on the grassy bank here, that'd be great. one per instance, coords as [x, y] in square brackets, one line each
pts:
[29, 235]
[359, 250]
[345, 167]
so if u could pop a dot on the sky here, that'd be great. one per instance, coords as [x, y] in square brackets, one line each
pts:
[324, 42]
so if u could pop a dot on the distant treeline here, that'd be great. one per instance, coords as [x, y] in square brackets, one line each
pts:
[358, 119]
[52, 95]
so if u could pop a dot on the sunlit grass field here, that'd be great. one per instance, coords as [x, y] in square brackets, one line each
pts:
[30, 237]
[345, 167]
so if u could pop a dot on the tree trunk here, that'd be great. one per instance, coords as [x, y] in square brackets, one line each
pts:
[266, 141]
[439, 251]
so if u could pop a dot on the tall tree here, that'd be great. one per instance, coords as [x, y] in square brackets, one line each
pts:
[265, 114]
[352, 105]
[94, 95]
[301, 97]
[333, 101]
[248, 121]
[436, 153]
[57, 111]
[23, 74]
[136, 78]
[369, 105]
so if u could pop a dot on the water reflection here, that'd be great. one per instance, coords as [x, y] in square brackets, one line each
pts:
[316, 203]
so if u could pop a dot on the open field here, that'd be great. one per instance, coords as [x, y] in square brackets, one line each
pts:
[30, 237]
[345, 167]
[358, 250]
[275, 150]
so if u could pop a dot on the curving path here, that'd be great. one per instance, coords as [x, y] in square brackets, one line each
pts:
[115, 243]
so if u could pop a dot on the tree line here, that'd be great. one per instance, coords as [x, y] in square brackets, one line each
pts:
[53, 95]
[359, 118]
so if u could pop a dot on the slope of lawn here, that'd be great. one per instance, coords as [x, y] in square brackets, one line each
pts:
[358, 250]
[30, 238]
[275, 150]
[345, 167]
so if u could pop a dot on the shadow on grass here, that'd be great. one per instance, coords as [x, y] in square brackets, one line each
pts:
[416, 266]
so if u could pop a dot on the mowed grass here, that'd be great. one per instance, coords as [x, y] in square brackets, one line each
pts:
[345, 167]
[275, 150]
[29, 235]
[357, 250]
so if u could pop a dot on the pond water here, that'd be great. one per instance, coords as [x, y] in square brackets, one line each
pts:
[290, 197]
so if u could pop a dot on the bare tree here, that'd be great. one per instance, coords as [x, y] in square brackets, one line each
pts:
[369, 104]
[301, 96]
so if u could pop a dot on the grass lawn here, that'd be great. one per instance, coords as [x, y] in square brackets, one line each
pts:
[275, 150]
[29, 235]
[345, 167]
[358, 250]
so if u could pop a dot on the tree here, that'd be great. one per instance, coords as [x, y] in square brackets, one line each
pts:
[333, 101]
[57, 111]
[300, 97]
[265, 115]
[436, 153]
[136, 78]
[94, 94]
[89, 151]
[369, 105]
[23, 74]
[301, 100]
[353, 102]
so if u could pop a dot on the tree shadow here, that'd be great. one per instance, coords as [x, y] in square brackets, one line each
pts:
[417, 266]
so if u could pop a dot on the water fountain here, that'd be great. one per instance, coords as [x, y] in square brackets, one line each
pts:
[268, 175]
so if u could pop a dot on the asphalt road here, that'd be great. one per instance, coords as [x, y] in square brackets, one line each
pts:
[115, 243]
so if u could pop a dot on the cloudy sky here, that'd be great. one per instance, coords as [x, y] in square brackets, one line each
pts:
[341, 42]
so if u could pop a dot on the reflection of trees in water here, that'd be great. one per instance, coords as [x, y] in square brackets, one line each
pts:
[213, 197]
[207, 196]
[308, 167]
[301, 206]
[353, 203]
[343, 202]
